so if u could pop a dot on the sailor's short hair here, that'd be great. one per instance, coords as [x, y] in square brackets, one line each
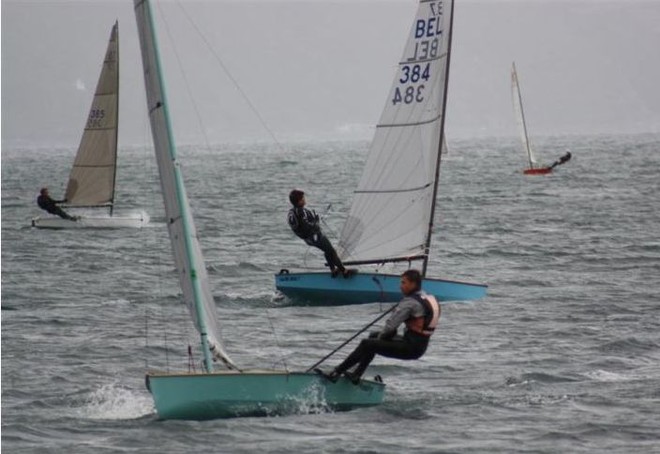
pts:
[413, 276]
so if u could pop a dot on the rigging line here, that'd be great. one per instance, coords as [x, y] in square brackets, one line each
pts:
[364, 328]
[277, 341]
[146, 337]
[232, 79]
[192, 100]
[185, 79]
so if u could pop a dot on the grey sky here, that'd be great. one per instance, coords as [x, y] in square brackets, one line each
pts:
[319, 69]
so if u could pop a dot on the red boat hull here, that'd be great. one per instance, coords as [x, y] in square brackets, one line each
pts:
[540, 171]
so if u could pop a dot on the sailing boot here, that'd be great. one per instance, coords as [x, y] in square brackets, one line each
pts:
[332, 376]
[354, 377]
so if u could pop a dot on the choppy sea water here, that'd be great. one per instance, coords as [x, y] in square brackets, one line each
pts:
[562, 356]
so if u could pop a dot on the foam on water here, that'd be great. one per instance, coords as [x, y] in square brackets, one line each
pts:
[607, 376]
[113, 401]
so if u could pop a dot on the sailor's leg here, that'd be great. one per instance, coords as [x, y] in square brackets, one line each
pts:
[363, 353]
[330, 254]
[398, 347]
[61, 213]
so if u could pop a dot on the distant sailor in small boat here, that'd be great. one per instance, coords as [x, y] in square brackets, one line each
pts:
[46, 203]
[562, 160]
[305, 224]
[420, 313]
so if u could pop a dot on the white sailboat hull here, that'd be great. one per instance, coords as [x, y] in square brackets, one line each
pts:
[136, 221]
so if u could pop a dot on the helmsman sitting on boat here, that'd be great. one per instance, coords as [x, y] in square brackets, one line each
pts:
[305, 224]
[420, 313]
[45, 202]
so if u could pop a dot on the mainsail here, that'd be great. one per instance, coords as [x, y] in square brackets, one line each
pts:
[183, 235]
[392, 211]
[520, 116]
[92, 178]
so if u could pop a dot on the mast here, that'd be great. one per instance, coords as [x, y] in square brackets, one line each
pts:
[514, 73]
[114, 175]
[160, 120]
[427, 247]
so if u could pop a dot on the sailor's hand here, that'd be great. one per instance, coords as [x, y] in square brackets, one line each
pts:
[374, 334]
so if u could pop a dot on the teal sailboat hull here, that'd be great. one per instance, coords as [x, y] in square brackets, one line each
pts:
[322, 288]
[232, 394]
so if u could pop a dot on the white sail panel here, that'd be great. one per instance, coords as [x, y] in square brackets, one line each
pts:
[520, 118]
[92, 178]
[392, 206]
[181, 227]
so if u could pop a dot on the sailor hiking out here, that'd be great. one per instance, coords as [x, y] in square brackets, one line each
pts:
[420, 314]
[305, 224]
[45, 202]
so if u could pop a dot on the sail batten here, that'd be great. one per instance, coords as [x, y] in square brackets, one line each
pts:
[417, 123]
[186, 249]
[92, 178]
[392, 209]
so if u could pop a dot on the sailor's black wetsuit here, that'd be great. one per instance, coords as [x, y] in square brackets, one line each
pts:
[50, 205]
[305, 224]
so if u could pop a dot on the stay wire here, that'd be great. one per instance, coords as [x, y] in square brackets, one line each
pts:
[185, 79]
[364, 328]
[189, 92]
[232, 79]
[277, 341]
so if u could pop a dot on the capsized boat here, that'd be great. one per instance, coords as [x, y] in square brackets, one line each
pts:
[92, 179]
[210, 394]
[392, 214]
[534, 168]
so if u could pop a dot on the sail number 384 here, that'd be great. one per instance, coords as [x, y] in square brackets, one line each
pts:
[411, 74]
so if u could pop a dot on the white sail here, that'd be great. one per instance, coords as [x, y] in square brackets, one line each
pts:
[183, 235]
[392, 208]
[92, 178]
[520, 117]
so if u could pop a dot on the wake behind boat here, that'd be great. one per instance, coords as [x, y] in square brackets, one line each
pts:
[392, 214]
[93, 176]
[210, 394]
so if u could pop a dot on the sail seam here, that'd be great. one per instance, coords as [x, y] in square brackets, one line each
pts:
[100, 129]
[418, 123]
[407, 62]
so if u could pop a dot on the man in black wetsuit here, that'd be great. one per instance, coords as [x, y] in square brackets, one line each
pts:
[562, 160]
[46, 203]
[420, 313]
[305, 224]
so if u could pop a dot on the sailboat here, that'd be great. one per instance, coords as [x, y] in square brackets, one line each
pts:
[233, 391]
[392, 213]
[93, 176]
[534, 168]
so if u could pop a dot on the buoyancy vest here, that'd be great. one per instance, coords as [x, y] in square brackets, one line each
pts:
[425, 325]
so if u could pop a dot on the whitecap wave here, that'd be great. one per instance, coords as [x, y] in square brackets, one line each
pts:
[606, 376]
